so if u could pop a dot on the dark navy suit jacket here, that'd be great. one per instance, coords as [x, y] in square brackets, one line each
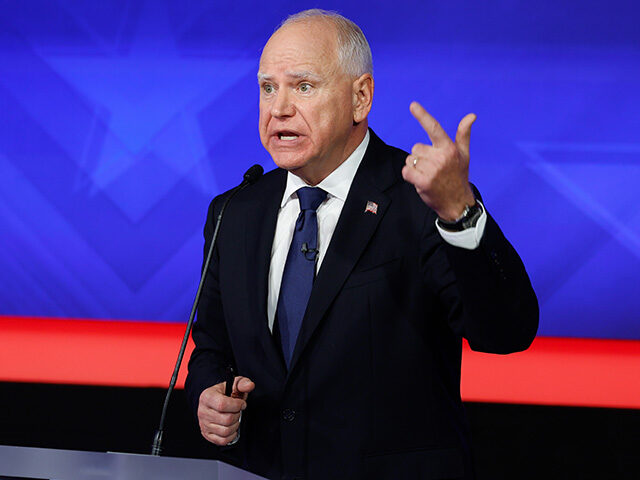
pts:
[373, 391]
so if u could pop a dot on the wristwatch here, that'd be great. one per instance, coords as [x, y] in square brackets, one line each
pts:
[468, 219]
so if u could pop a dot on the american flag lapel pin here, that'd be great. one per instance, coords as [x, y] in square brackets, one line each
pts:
[372, 207]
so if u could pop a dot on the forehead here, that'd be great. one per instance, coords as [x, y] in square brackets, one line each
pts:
[309, 46]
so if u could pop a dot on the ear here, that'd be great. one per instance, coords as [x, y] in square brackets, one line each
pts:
[362, 97]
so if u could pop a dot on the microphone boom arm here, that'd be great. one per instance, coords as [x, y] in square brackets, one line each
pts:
[251, 176]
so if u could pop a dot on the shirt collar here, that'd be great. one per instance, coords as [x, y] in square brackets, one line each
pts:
[338, 182]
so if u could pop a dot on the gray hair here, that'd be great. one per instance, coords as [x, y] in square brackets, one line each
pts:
[354, 53]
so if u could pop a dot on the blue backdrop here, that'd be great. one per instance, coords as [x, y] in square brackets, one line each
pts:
[120, 120]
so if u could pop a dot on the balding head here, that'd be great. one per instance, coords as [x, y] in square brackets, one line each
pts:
[354, 54]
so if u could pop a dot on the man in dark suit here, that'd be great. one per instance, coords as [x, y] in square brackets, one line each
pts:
[356, 373]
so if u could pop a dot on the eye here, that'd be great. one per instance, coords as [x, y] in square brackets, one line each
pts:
[305, 87]
[268, 88]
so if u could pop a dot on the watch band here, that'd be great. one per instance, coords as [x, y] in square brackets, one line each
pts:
[468, 219]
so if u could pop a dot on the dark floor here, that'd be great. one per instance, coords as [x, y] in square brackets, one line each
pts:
[510, 441]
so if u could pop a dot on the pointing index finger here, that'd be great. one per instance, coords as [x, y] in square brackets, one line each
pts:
[436, 133]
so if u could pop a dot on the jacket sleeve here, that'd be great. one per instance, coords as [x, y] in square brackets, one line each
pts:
[486, 292]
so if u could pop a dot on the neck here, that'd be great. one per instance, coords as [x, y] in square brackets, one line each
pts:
[356, 136]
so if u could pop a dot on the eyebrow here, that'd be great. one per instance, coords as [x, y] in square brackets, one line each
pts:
[264, 77]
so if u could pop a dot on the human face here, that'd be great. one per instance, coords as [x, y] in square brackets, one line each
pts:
[306, 101]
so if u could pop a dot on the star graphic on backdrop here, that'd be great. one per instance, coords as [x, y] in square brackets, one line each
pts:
[590, 253]
[148, 99]
[599, 179]
[117, 138]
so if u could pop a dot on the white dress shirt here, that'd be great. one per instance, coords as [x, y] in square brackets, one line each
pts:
[337, 185]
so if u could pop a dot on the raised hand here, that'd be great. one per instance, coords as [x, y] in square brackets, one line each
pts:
[219, 415]
[440, 171]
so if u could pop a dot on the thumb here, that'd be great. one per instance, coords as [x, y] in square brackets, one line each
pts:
[242, 387]
[463, 135]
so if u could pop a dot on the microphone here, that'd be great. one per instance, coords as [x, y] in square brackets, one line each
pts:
[250, 177]
[253, 174]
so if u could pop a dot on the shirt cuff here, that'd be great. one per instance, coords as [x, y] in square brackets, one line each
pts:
[237, 439]
[468, 238]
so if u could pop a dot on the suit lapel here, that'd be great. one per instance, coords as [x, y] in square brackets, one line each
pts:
[260, 228]
[352, 234]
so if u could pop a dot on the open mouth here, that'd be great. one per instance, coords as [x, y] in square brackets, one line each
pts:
[287, 136]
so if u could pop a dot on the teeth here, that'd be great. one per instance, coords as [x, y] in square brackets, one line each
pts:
[288, 137]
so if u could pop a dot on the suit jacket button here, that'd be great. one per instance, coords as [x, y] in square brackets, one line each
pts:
[288, 414]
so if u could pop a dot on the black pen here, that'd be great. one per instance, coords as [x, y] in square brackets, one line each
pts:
[228, 388]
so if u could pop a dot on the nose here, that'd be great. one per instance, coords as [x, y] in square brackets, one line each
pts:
[282, 105]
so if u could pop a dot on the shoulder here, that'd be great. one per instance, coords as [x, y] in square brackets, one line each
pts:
[378, 148]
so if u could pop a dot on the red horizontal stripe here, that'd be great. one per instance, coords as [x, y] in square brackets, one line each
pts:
[554, 371]
[557, 371]
[94, 352]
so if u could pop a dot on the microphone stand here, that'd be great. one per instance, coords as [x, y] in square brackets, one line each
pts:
[251, 176]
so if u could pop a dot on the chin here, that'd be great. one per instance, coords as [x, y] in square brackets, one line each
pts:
[290, 161]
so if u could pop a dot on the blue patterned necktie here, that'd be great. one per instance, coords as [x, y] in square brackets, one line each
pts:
[299, 270]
